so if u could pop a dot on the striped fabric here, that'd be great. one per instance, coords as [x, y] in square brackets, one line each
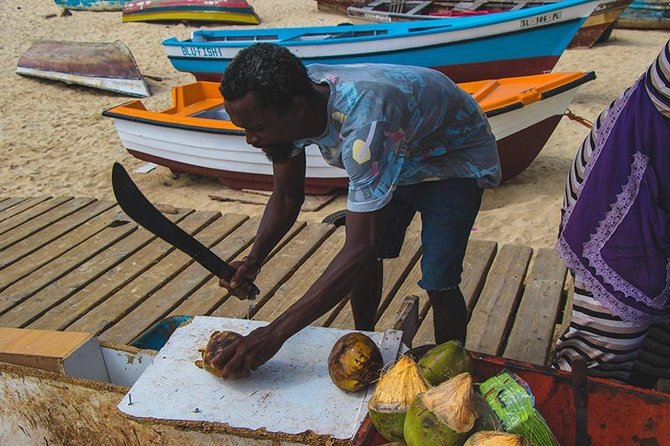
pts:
[609, 345]
[658, 81]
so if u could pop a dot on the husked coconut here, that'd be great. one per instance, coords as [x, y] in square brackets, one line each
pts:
[393, 395]
[443, 415]
[493, 438]
[354, 362]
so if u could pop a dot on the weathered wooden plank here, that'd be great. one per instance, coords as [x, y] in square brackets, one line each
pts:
[159, 303]
[8, 228]
[203, 300]
[476, 264]
[124, 300]
[407, 319]
[408, 288]
[52, 232]
[59, 267]
[62, 288]
[20, 269]
[116, 274]
[278, 269]
[294, 288]
[494, 311]
[395, 272]
[22, 205]
[42, 222]
[7, 203]
[533, 329]
[210, 296]
[328, 318]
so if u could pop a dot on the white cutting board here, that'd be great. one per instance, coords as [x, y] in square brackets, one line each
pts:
[290, 394]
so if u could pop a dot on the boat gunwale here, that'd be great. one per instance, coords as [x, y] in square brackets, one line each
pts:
[204, 125]
[393, 29]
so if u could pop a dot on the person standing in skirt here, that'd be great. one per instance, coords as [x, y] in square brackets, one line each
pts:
[615, 232]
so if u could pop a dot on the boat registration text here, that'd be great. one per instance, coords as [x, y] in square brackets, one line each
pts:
[539, 20]
[197, 51]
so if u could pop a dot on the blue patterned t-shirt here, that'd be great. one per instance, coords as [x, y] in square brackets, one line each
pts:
[392, 125]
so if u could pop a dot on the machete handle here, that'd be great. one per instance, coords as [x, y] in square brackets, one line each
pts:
[247, 290]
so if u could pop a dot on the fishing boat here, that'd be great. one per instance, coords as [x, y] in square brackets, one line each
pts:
[92, 5]
[222, 11]
[596, 28]
[514, 43]
[402, 10]
[646, 14]
[103, 65]
[196, 136]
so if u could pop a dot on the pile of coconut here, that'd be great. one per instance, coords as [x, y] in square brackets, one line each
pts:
[429, 402]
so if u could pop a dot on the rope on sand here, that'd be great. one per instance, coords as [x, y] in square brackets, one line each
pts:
[583, 121]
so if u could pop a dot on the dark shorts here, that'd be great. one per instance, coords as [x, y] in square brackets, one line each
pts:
[448, 209]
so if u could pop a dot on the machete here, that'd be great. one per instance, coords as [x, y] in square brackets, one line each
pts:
[138, 207]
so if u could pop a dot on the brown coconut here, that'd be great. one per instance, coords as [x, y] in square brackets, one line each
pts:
[217, 342]
[393, 395]
[354, 362]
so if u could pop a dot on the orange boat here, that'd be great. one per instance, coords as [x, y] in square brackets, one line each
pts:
[196, 136]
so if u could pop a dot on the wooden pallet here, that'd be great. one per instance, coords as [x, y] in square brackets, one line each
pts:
[80, 264]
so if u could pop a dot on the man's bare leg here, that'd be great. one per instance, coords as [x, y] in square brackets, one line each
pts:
[365, 298]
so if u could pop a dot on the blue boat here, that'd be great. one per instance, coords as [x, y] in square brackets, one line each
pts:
[645, 14]
[92, 5]
[514, 43]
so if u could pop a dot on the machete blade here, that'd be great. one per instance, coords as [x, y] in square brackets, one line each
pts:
[140, 209]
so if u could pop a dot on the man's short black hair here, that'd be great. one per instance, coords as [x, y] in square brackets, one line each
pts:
[271, 71]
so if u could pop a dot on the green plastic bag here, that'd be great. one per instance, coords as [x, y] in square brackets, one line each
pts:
[514, 405]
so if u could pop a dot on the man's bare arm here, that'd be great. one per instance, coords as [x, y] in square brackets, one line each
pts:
[283, 206]
[279, 215]
[349, 266]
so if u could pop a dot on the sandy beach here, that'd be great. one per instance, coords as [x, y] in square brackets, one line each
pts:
[55, 141]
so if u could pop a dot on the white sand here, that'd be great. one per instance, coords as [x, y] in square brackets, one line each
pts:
[55, 142]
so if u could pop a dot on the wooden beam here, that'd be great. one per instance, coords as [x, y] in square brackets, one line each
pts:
[294, 288]
[477, 262]
[278, 270]
[407, 319]
[159, 303]
[19, 205]
[9, 202]
[83, 279]
[37, 217]
[494, 311]
[533, 330]
[57, 248]
[52, 232]
[151, 279]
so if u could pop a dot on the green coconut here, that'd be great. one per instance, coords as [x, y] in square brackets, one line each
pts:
[393, 395]
[494, 438]
[443, 415]
[445, 361]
